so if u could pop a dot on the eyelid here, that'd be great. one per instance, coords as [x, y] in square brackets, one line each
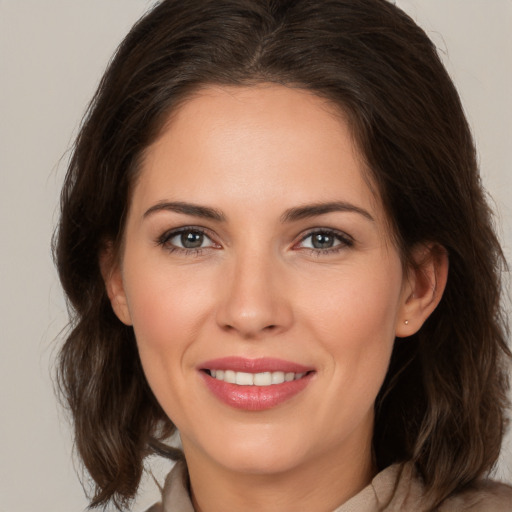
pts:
[345, 240]
[166, 236]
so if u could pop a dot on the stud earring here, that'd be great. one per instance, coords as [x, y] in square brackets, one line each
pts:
[406, 322]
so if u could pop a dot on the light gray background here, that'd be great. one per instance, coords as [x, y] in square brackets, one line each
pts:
[52, 54]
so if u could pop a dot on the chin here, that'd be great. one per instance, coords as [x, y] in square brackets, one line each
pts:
[262, 461]
[265, 450]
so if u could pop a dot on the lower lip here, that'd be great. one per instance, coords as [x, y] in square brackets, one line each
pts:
[255, 398]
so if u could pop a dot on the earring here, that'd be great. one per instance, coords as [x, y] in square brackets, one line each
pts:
[406, 322]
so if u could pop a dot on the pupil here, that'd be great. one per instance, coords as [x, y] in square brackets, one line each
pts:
[192, 240]
[322, 241]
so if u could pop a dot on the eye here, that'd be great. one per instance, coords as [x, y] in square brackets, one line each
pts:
[189, 239]
[186, 239]
[325, 240]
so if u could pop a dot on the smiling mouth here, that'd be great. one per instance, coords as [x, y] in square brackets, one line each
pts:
[255, 384]
[255, 379]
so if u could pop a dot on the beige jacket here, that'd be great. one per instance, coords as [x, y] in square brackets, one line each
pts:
[393, 490]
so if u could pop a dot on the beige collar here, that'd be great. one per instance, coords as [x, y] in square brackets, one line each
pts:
[382, 494]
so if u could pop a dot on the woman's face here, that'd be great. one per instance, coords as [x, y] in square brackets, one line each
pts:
[255, 252]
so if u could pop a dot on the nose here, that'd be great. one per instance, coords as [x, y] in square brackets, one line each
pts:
[254, 301]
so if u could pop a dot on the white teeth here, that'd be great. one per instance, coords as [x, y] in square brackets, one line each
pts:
[262, 379]
[277, 377]
[230, 376]
[255, 379]
[244, 379]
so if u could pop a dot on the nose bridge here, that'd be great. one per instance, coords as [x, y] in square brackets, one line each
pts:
[254, 300]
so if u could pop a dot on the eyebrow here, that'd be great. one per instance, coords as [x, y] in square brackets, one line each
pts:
[313, 210]
[290, 215]
[188, 209]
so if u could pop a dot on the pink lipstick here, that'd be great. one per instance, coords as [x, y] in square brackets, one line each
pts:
[254, 384]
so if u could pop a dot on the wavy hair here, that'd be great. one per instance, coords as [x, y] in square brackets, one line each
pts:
[443, 403]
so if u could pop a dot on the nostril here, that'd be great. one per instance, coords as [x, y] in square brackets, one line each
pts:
[248, 332]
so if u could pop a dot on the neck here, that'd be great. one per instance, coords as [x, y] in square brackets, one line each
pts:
[319, 485]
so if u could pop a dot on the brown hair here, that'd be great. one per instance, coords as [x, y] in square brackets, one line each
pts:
[442, 404]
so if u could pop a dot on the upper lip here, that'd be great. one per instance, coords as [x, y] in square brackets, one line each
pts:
[263, 364]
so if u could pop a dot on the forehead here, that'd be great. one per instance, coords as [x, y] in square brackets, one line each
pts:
[250, 143]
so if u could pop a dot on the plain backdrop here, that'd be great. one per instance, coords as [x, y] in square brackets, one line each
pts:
[52, 54]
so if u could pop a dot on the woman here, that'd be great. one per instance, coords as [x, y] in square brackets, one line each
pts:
[274, 239]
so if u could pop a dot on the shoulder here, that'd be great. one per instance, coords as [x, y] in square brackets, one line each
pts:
[408, 493]
[484, 496]
[175, 495]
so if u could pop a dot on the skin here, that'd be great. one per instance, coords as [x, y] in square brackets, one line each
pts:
[257, 288]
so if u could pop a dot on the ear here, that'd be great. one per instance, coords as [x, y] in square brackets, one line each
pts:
[423, 288]
[113, 278]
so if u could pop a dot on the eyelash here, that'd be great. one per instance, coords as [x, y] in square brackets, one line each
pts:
[345, 241]
[164, 241]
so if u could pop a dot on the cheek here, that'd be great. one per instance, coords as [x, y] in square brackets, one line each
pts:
[167, 308]
[354, 318]
[356, 303]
